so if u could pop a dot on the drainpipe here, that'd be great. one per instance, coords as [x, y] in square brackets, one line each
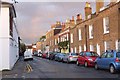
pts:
[69, 41]
[86, 37]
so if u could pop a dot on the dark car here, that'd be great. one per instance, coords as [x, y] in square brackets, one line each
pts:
[48, 54]
[87, 58]
[59, 56]
[52, 56]
[39, 54]
[109, 60]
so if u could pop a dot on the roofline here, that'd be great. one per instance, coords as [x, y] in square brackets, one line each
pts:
[10, 5]
[95, 15]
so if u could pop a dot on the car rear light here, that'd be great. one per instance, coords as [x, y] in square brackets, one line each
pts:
[117, 60]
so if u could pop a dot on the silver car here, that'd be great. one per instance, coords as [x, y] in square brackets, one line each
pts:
[70, 57]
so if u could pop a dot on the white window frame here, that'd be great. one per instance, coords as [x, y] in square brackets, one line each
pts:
[91, 47]
[90, 31]
[55, 42]
[98, 49]
[106, 45]
[80, 34]
[71, 50]
[116, 44]
[80, 48]
[67, 37]
[84, 47]
[58, 40]
[106, 25]
[75, 49]
[71, 36]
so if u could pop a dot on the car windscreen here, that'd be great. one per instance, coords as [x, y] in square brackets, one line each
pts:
[118, 54]
[91, 54]
[73, 54]
[62, 54]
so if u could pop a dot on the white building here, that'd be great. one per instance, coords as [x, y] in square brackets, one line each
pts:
[9, 48]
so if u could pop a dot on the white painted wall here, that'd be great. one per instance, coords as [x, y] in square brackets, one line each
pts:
[4, 38]
[8, 45]
[0, 46]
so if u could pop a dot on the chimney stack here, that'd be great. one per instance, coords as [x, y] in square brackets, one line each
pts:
[88, 10]
[99, 4]
[79, 18]
[113, 1]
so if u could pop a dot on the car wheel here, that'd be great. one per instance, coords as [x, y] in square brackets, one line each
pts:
[96, 66]
[77, 63]
[112, 69]
[67, 61]
[86, 64]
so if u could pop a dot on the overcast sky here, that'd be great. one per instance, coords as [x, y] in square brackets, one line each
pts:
[35, 18]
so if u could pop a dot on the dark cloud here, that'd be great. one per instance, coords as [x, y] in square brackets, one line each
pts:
[35, 18]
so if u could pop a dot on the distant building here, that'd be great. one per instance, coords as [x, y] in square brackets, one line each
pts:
[50, 36]
[9, 38]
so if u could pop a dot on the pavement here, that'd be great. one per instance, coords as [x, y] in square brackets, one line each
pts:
[43, 68]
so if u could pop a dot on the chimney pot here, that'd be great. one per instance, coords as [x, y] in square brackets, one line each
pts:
[79, 17]
[88, 10]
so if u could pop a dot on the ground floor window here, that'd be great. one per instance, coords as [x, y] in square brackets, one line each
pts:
[84, 47]
[106, 45]
[117, 45]
[98, 49]
[71, 50]
[75, 50]
[91, 48]
[80, 48]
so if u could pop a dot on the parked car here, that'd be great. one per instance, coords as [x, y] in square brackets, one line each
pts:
[109, 60]
[39, 54]
[28, 55]
[70, 57]
[59, 56]
[44, 55]
[87, 58]
[48, 54]
[52, 56]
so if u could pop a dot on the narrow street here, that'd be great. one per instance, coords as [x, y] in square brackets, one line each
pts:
[44, 68]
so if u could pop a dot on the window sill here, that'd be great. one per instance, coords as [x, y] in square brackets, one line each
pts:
[91, 38]
[106, 32]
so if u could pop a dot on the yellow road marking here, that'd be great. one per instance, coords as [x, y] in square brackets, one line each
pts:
[29, 68]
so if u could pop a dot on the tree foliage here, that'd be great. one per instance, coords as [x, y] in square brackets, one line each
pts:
[63, 44]
[42, 38]
[22, 48]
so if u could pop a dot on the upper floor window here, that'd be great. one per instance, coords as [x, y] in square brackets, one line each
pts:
[90, 31]
[106, 24]
[71, 38]
[55, 42]
[80, 35]
[58, 40]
